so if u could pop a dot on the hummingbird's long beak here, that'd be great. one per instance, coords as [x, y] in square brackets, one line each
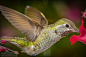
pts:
[76, 30]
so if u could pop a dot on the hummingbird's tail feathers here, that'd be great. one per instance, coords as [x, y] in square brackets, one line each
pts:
[7, 38]
[17, 41]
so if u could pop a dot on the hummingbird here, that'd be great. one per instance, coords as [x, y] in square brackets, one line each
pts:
[39, 36]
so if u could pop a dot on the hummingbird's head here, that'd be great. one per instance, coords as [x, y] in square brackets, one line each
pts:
[65, 27]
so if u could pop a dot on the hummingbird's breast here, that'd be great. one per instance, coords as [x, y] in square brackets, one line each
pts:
[46, 39]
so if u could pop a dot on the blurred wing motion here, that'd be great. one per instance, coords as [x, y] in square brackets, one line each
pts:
[36, 15]
[23, 23]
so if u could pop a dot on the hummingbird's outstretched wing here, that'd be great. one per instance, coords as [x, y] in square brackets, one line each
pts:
[26, 25]
[36, 15]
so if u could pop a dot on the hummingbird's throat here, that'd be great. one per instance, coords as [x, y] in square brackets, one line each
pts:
[66, 33]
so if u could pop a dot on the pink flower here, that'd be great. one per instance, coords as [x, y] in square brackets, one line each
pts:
[2, 42]
[81, 37]
[3, 49]
[0, 50]
[84, 14]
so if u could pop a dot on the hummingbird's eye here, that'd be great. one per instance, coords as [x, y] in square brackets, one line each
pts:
[67, 25]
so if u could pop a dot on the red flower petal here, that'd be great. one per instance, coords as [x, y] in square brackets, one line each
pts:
[2, 42]
[3, 49]
[0, 50]
[81, 37]
[73, 39]
[84, 14]
[81, 29]
[7, 49]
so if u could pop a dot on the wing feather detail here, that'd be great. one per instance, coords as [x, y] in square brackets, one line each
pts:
[36, 15]
[23, 23]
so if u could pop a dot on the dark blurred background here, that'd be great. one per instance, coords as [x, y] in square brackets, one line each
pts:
[53, 10]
